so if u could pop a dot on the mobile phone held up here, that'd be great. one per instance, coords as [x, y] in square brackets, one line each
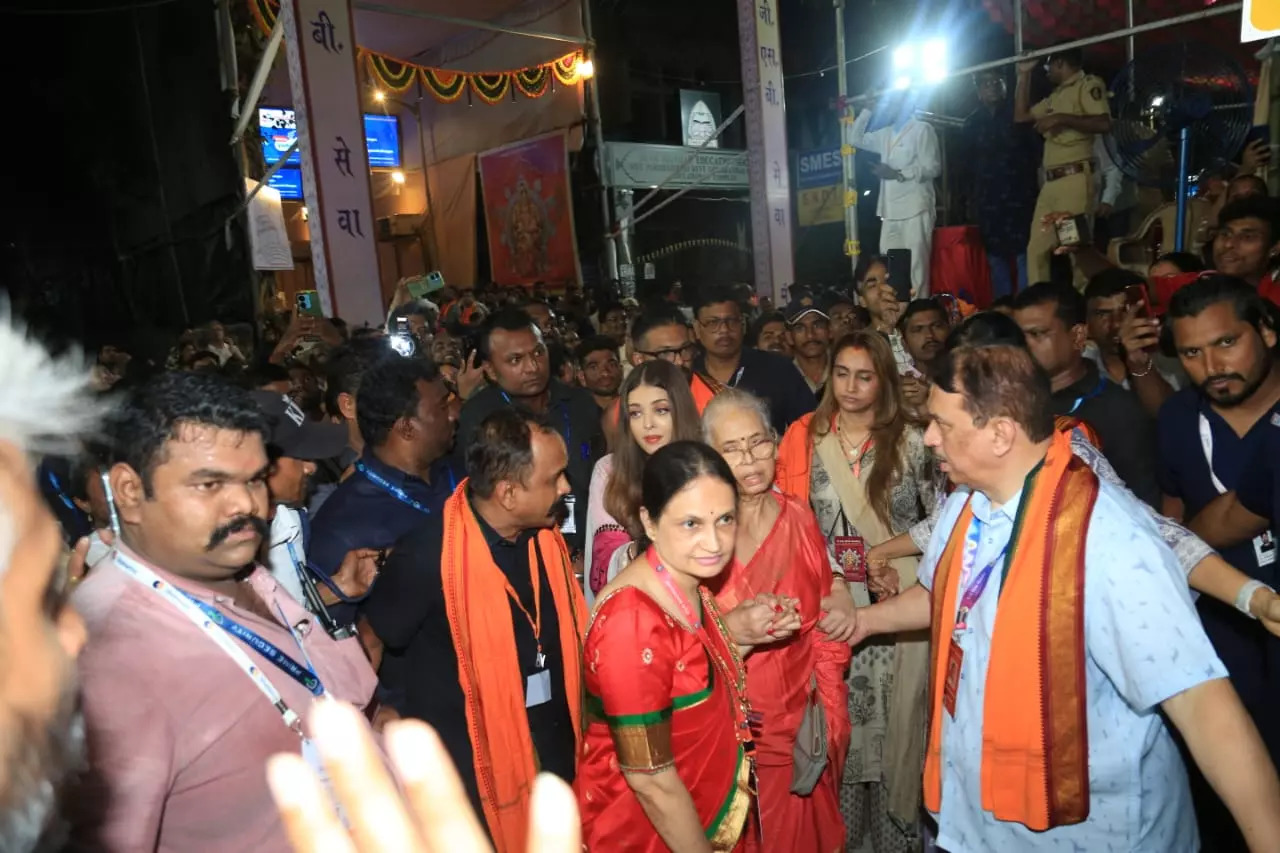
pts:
[1136, 296]
[1073, 231]
[308, 302]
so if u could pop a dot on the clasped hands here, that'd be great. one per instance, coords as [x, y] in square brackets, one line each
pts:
[767, 618]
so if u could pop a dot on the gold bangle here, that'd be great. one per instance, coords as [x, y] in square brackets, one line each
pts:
[1151, 362]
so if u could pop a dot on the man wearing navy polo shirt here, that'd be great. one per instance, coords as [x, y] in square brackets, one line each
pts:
[515, 361]
[1208, 435]
[406, 417]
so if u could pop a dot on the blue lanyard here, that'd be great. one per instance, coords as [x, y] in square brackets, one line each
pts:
[568, 426]
[303, 675]
[62, 495]
[396, 492]
[1102, 381]
[978, 582]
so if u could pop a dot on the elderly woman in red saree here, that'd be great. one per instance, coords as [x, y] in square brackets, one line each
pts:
[668, 754]
[781, 550]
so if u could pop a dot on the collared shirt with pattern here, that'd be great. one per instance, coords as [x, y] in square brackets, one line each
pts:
[1143, 645]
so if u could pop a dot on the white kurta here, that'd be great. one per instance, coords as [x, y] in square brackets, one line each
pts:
[907, 207]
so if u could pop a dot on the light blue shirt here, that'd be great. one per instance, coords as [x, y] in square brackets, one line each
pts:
[1143, 644]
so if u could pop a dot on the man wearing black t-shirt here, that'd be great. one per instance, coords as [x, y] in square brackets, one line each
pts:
[433, 605]
[718, 323]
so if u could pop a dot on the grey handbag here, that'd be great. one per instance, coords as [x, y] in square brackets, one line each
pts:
[809, 754]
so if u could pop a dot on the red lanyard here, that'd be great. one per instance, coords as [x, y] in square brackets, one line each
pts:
[535, 621]
[668, 583]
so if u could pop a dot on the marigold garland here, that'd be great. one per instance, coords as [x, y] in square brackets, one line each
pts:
[446, 85]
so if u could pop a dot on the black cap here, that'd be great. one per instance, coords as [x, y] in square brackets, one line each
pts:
[293, 435]
[796, 310]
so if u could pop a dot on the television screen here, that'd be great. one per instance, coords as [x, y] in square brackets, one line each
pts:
[278, 130]
[382, 140]
[288, 181]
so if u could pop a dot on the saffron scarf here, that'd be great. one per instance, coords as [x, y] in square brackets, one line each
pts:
[488, 669]
[704, 390]
[1035, 746]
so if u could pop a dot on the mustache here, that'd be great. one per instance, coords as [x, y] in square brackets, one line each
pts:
[236, 525]
[1222, 377]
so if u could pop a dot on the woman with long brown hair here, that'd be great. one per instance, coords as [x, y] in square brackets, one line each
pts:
[868, 476]
[655, 408]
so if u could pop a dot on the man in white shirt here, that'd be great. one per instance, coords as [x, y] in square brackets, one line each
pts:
[909, 163]
[1086, 617]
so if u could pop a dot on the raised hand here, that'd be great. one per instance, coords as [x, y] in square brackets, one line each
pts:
[429, 813]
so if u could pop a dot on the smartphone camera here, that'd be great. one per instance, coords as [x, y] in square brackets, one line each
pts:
[402, 341]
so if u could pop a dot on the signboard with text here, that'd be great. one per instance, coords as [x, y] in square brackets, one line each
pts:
[321, 48]
[818, 177]
[760, 44]
[1259, 19]
[699, 118]
[642, 166]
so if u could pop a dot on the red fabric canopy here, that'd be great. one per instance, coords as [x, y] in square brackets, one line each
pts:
[1049, 22]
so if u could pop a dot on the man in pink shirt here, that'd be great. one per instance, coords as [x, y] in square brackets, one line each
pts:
[198, 666]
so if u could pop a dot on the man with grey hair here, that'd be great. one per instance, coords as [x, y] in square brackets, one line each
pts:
[47, 405]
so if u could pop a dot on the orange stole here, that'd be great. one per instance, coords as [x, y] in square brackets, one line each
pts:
[795, 456]
[1035, 747]
[488, 670]
[1067, 423]
[702, 391]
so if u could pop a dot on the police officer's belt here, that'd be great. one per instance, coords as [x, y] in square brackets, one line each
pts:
[1070, 169]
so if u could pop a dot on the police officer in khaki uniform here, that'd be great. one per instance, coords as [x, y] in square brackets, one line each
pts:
[1068, 119]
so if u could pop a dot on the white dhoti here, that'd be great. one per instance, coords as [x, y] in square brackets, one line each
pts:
[916, 234]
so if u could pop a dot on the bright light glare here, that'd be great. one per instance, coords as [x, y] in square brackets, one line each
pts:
[379, 96]
[934, 60]
[904, 57]
[397, 177]
[305, 214]
[903, 82]
[586, 68]
[1157, 101]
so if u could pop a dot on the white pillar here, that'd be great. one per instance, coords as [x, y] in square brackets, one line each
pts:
[767, 158]
[321, 47]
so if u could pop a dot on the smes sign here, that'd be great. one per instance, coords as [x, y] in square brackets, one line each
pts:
[819, 174]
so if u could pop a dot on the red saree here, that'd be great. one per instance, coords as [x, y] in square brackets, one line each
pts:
[655, 699]
[793, 561]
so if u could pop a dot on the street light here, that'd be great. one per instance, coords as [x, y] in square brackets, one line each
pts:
[920, 62]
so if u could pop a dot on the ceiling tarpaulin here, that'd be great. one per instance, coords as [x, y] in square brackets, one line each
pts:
[481, 88]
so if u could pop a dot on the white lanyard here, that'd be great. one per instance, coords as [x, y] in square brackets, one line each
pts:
[1206, 442]
[1264, 545]
[192, 611]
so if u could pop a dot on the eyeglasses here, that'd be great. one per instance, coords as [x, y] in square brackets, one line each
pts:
[672, 354]
[714, 324]
[758, 449]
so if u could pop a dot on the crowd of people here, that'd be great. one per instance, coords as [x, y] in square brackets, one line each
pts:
[886, 580]
[855, 573]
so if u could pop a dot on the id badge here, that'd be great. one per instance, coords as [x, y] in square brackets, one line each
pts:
[537, 688]
[851, 555]
[950, 687]
[570, 526]
[1264, 548]
[311, 755]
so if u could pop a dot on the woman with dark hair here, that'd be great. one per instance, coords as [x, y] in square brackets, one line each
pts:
[868, 476]
[781, 551]
[656, 408]
[667, 759]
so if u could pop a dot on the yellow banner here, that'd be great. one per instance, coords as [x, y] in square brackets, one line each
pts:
[819, 206]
